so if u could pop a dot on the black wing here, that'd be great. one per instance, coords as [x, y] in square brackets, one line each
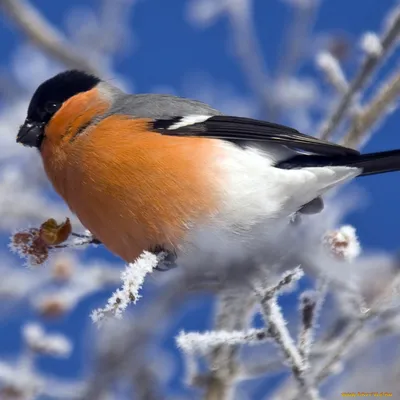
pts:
[238, 130]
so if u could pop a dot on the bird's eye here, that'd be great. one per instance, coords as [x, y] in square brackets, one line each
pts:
[51, 107]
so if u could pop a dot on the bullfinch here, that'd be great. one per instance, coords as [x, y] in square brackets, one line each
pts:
[149, 171]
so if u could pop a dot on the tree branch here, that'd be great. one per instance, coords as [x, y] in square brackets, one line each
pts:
[44, 35]
[371, 62]
[232, 314]
[279, 332]
[365, 120]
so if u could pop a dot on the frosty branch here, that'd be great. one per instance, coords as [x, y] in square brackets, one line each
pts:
[44, 35]
[373, 59]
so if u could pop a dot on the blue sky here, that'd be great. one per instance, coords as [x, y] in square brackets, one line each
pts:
[170, 53]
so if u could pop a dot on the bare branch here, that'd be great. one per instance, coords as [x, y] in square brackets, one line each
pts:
[44, 35]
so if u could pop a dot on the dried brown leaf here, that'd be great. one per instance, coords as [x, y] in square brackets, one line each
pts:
[53, 233]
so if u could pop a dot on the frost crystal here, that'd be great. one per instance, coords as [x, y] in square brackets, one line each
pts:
[132, 280]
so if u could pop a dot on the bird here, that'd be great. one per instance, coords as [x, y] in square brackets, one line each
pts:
[146, 172]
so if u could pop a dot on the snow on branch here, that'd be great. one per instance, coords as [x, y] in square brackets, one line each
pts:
[288, 279]
[279, 332]
[220, 347]
[334, 73]
[203, 343]
[132, 280]
[377, 48]
[276, 323]
[371, 44]
[367, 118]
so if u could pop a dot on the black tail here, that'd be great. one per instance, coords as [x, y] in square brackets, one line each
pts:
[373, 163]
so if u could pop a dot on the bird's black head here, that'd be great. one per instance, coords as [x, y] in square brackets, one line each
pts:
[48, 99]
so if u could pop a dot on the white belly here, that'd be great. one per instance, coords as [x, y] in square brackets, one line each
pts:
[258, 202]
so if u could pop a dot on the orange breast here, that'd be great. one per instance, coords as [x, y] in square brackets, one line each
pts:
[135, 189]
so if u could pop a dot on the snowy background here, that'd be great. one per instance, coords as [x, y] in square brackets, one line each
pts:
[271, 59]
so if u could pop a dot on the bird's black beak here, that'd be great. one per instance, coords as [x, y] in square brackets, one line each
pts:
[31, 134]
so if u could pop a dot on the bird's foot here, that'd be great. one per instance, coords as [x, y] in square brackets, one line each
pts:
[169, 260]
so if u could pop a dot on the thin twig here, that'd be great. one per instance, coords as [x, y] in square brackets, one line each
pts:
[85, 241]
[346, 341]
[348, 338]
[44, 35]
[205, 342]
[277, 328]
[132, 280]
[371, 62]
[337, 351]
[281, 335]
[307, 308]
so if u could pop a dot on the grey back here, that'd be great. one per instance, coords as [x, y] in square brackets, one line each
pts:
[158, 106]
